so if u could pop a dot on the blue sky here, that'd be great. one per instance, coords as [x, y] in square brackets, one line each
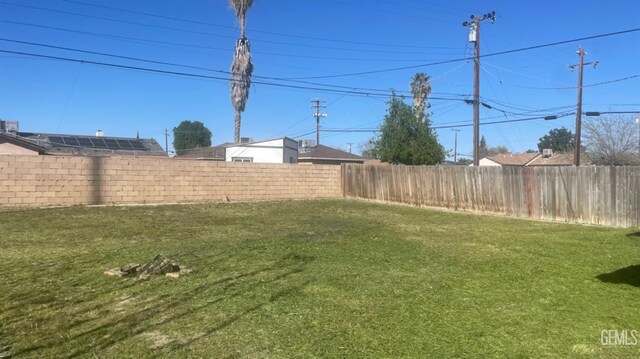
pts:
[300, 39]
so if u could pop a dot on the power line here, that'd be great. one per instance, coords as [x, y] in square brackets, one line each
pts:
[169, 43]
[200, 67]
[454, 126]
[570, 87]
[192, 75]
[254, 30]
[469, 58]
[304, 134]
[210, 33]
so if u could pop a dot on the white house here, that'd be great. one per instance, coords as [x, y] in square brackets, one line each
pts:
[279, 150]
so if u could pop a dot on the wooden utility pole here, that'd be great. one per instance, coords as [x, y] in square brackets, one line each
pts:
[455, 145]
[474, 36]
[580, 66]
[638, 122]
[318, 106]
[349, 143]
[166, 141]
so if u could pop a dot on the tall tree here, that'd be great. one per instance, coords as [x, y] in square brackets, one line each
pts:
[558, 139]
[483, 150]
[241, 67]
[420, 89]
[498, 150]
[404, 139]
[612, 141]
[189, 135]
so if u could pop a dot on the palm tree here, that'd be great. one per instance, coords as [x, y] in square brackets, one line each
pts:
[241, 67]
[421, 89]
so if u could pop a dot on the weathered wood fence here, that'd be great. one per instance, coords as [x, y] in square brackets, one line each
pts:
[596, 195]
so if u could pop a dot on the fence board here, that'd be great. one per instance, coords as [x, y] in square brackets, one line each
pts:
[595, 195]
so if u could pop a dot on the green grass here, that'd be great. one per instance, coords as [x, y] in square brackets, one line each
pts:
[331, 278]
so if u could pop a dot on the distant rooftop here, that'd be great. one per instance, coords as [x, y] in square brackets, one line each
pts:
[557, 159]
[514, 159]
[207, 153]
[329, 153]
[91, 145]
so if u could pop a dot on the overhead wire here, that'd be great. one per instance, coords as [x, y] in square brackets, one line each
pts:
[197, 32]
[630, 77]
[204, 47]
[454, 126]
[481, 56]
[254, 30]
[31, 43]
[200, 76]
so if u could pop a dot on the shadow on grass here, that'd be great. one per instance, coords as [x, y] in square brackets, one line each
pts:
[628, 275]
[634, 235]
[246, 292]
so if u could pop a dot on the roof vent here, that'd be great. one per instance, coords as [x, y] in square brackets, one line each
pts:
[99, 133]
[547, 152]
[245, 140]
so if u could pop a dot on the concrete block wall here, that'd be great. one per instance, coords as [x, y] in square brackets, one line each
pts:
[36, 181]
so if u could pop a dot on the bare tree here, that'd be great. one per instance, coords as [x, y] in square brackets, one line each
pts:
[612, 140]
[242, 67]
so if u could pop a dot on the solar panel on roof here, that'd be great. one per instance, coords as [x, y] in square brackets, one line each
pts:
[138, 145]
[56, 140]
[125, 144]
[71, 141]
[85, 142]
[111, 144]
[99, 143]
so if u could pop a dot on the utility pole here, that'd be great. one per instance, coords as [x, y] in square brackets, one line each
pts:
[455, 145]
[349, 143]
[580, 66]
[638, 122]
[166, 141]
[474, 36]
[318, 106]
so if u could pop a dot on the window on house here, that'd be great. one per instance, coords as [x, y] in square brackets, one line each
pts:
[242, 159]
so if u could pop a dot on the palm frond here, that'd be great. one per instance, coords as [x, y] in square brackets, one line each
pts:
[241, 7]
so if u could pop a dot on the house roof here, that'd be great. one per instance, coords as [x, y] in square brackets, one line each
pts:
[329, 153]
[58, 144]
[254, 143]
[16, 140]
[514, 159]
[213, 153]
[557, 159]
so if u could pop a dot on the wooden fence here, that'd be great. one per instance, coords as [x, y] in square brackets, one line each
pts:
[595, 195]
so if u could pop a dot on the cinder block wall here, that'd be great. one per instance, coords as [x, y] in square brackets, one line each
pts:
[35, 181]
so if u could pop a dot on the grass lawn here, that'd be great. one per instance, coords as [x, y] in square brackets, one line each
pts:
[330, 278]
